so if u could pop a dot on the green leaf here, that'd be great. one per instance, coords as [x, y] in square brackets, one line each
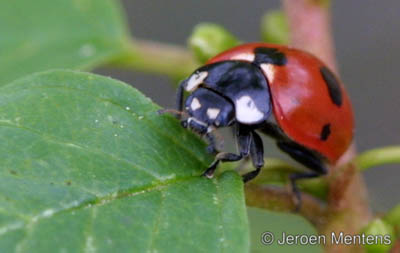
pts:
[47, 34]
[393, 217]
[87, 164]
[280, 225]
[377, 157]
[379, 236]
[275, 27]
[208, 40]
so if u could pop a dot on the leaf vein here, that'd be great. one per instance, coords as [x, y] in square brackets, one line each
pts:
[155, 230]
[220, 228]
[156, 129]
[80, 146]
[99, 201]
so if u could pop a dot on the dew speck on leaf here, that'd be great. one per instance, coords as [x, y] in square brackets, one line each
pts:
[87, 50]
[215, 199]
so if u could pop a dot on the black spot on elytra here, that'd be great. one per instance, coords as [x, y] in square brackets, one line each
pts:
[269, 56]
[325, 132]
[333, 86]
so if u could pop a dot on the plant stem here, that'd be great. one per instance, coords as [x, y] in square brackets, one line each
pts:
[309, 23]
[160, 58]
[282, 200]
[310, 28]
[378, 156]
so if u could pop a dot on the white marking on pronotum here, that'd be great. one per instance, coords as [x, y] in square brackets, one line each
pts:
[212, 113]
[247, 111]
[195, 80]
[244, 57]
[195, 104]
[269, 71]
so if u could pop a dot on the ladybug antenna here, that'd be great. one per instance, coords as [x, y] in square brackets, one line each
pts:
[174, 112]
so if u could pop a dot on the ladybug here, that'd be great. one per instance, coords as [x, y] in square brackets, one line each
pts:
[283, 92]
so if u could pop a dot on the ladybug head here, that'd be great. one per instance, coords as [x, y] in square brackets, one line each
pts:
[208, 110]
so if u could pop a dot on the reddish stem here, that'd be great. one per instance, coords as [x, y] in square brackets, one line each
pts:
[310, 30]
[281, 200]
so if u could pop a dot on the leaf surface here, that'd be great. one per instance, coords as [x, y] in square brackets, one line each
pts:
[88, 165]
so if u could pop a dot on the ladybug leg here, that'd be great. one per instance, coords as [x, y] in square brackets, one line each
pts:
[179, 96]
[293, 179]
[244, 137]
[273, 131]
[303, 156]
[212, 144]
[257, 157]
[306, 158]
[221, 157]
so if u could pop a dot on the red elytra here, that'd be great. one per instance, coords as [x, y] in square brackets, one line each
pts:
[301, 99]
